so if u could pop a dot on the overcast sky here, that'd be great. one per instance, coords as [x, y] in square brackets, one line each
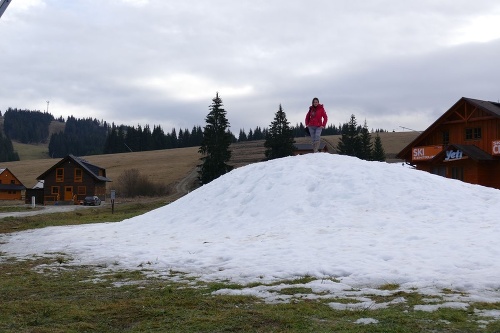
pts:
[160, 62]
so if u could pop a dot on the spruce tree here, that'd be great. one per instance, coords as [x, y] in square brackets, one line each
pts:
[378, 153]
[349, 143]
[215, 143]
[365, 152]
[7, 152]
[242, 136]
[279, 139]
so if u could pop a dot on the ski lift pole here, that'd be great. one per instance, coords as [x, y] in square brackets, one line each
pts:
[3, 6]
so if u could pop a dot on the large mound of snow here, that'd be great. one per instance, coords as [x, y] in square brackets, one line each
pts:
[364, 223]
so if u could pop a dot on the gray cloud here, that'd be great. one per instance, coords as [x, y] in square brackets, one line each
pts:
[160, 62]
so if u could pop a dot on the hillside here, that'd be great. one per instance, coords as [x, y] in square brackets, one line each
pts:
[38, 151]
[172, 165]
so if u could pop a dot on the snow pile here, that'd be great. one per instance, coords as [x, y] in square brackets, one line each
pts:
[363, 223]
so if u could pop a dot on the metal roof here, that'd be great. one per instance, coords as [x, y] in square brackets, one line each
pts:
[12, 187]
[91, 169]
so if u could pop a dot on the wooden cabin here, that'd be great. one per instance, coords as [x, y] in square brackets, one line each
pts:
[464, 144]
[306, 148]
[71, 180]
[10, 187]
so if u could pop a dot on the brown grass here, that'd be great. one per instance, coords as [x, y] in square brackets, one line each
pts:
[162, 166]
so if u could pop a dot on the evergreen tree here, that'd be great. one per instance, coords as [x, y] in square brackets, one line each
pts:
[172, 142]
[120, 141]
[378, 153]
[349, 143]
[365, 152]
[258, 134]
[80, 137]
[279, 139]
[250, 135]
[111, 140]
[158, 137]
[186, 139]
[197, 136]
[242, 136]
[7, 152]
[215, 143]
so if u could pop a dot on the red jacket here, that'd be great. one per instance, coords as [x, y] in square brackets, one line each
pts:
[316, 116]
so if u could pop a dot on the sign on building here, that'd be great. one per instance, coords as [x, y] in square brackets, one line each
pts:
[425, 152]
[496, 147]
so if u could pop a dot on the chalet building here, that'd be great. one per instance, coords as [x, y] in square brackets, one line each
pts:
[10, 187]
[464, 144]
[71, 180]
[306, 148]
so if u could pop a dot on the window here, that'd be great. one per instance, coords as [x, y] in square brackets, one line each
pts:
[54, 189]
[59, 175]
[439, 170]
[82, 190]
[457, 173]
[473, 133]
[477, 133]
[78, 175]
[12, 181]
[446, 137]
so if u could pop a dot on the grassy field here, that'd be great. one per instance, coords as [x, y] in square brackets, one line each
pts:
[162, 166]
[28, 152]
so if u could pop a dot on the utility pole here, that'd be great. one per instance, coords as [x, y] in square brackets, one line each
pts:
[406, 128]
[3, 6]
[47, 106]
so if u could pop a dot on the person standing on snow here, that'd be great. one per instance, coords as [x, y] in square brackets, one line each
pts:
[316, 120]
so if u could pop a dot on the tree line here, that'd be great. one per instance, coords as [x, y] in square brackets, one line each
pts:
[357, 141]
[27, 126]
[7, 152]
[92, 137]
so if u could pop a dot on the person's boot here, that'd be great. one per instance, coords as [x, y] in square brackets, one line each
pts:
[315, 146]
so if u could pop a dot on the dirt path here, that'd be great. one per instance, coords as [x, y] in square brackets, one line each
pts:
[40, 209]
[187, 184]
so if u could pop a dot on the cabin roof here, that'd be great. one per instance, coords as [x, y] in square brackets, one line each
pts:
[2, 170]
[91, 169]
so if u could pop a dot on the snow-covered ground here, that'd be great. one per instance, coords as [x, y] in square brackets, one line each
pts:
[355, 225]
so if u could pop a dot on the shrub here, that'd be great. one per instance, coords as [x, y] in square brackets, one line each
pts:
[132, 184]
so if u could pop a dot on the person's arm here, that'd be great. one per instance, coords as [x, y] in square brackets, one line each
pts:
[325, 118]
